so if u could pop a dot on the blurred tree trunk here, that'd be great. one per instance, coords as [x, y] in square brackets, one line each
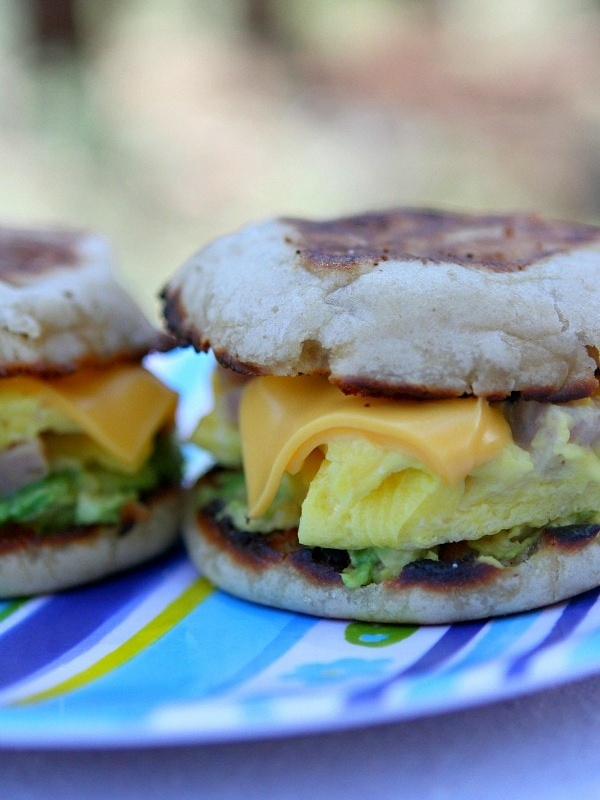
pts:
[262, 22]
[54, 26]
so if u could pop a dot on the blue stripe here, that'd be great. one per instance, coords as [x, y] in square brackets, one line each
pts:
[573, 614]
[220, 644]
[294, 630]
[450, 643]
[501, 634]
[455, 638]
[70, 618]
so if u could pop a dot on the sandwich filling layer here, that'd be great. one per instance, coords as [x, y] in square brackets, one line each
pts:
[466, 475]
[84, 449]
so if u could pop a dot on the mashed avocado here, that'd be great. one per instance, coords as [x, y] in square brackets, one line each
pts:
[217, 432]
[23, 418]
[78, 493]
[228, 488]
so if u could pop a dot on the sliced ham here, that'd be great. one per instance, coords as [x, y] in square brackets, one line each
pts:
[529, 419]
[21, 464]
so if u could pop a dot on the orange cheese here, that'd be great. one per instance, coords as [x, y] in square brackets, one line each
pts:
[120, 408]
[283, 420]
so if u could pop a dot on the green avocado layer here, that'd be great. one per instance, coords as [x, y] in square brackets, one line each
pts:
[89, 494]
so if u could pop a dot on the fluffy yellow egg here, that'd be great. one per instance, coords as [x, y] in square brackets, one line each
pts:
[365, 497]
[23, 418]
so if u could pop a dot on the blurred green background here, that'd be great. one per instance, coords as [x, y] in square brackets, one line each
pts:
[163, 123]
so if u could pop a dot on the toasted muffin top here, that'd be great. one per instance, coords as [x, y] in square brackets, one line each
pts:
[403, 303]
[61, 306]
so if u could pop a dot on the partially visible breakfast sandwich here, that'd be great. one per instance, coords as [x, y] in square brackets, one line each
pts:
[89, 466]
[411, 429]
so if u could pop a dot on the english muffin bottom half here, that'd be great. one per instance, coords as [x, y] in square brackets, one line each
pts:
[407, 423]
[89, 466]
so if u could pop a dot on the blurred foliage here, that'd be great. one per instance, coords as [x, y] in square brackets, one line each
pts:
[165, 122]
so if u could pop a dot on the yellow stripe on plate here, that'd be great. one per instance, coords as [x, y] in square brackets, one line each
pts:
[168, 618]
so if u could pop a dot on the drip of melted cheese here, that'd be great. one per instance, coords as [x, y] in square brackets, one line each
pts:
[283, 420]
[120, 408]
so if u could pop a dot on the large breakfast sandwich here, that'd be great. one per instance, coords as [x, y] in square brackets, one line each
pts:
[407, 419]
[89, 466]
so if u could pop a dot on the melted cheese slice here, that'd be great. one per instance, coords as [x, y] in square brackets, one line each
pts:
[282, 420]
[120, 408]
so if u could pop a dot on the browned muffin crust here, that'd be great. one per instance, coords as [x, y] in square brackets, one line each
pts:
[401, 303]
[494, 242]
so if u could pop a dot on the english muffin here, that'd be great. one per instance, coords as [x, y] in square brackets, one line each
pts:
[89, 465]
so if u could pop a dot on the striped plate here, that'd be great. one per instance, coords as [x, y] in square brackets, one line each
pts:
[158, 656]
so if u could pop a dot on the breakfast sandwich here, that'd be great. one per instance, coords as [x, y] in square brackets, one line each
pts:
[407, 419]
[89, 467]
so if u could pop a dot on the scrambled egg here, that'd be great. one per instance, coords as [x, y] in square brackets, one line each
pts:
[363, 495]
[217, 432]
[23, 418]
